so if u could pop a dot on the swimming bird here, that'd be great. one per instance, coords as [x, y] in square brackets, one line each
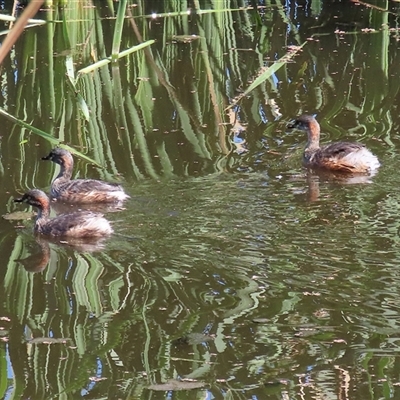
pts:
[83, 224]
[346, 157]
[65, 189]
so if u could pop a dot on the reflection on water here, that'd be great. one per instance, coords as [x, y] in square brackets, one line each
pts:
[40, 258]
[228, 256]
[315, 176]
[37, 261]
[294, 293]
[233, 272]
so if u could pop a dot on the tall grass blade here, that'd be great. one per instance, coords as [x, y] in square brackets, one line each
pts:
[107, 60]
[71, 82]
[46, 136]
[119, 25]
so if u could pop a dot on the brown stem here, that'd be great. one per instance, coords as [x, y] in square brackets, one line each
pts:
[18, 28]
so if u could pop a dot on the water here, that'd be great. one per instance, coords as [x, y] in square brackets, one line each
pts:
[233, 273]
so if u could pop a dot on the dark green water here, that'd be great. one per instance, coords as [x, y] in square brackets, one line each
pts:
[232, 273]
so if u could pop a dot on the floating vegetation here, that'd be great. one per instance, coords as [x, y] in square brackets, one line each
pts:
[192, 339]
[174, 385]
[185, 38]
[18, 215]
[50, 340]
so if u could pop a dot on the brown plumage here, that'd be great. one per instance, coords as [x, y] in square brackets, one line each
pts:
[77, 224]
[80, 190]
[346, 157]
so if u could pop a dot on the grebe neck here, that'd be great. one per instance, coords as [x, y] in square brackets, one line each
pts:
[43, 212]
[65, 171]
[313, 134]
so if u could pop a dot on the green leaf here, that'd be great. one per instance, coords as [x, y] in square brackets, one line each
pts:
[46, 136]
[266, 73]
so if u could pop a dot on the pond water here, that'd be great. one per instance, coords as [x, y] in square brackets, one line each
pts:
[233, 273]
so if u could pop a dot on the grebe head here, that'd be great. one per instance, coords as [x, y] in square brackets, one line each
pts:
[310, 125]
[36, 198]
[60, 156]
[304, 123]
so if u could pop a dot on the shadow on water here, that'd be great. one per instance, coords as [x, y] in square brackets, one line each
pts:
[233, 272]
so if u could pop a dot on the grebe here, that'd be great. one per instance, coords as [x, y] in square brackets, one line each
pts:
[347, 157]
[78, 224]
[80, 190]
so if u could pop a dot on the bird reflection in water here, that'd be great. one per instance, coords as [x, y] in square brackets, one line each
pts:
[313, 178]
[38, 261]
